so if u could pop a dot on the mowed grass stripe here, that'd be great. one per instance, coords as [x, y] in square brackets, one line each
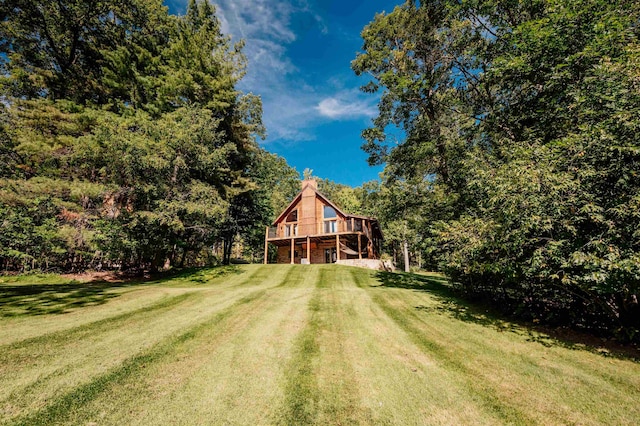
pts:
[45, 342]
[64, 406]
[32, 384]
[547, 382]
[253, 383]
[230, 375]
[414, 388]
[403, 313]
[146, 394]
[338, 385]
[301, 388]
[134, 294]
[319, 381]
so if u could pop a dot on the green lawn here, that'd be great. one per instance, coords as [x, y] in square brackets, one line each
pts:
[281, 344]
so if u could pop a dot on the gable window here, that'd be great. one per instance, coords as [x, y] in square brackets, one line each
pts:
[329, 212]
[291, 227]
[293, 216]
[330, 220]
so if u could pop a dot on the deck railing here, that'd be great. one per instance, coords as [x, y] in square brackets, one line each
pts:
[349, 225]
[354, 225]
[273, 232]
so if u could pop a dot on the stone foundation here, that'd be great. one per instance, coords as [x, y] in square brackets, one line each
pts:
[379, 265]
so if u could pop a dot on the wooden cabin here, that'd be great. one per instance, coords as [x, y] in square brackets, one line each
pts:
[314, 230]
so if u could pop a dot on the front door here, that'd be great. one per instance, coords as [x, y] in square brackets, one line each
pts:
[330, 255]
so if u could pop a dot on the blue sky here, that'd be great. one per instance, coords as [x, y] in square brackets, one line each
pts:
[299, 56]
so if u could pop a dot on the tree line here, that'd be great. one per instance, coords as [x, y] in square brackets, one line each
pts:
[519, 173]
[124, 142]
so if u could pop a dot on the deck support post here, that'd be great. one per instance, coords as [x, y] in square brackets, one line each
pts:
[359, 246]
[337, 247]
[292, 252]
[309, 250]
[266, 245]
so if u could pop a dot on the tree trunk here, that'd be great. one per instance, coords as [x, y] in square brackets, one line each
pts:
[155, 261]
[172, 256]
[405, 249]
[228, 246]
[184, 257]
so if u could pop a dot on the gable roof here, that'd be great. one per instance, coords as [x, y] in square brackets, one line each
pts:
[297, 199]
[286, 211]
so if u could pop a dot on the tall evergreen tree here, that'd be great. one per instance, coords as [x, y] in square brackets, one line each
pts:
[123, 128]
[56, 49]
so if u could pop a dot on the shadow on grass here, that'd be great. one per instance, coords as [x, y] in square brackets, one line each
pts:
[41, 299]
[193, 275]
[26, 299]
[449, 302]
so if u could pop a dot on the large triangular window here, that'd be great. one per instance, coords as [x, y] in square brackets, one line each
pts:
[329, 212]
[293, 216]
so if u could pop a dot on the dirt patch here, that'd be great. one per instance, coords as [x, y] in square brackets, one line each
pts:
[98, 276]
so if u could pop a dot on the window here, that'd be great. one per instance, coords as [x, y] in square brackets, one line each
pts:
[295, 254]
[293, 216]
[291, 230]
[329, 212]
[330, 226]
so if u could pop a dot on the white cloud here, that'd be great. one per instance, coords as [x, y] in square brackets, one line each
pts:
[266, 26]
[346, 107]
[291, 106]
[289, 116]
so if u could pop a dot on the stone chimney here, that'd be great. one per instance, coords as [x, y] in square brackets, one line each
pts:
[308, 209]
[312, 183]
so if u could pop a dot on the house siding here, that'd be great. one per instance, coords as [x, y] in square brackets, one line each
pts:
[309, 204]
[317, 253]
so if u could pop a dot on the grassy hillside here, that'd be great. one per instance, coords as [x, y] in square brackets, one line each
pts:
[281, 344]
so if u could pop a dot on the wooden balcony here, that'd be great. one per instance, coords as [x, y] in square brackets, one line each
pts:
[326, 228]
